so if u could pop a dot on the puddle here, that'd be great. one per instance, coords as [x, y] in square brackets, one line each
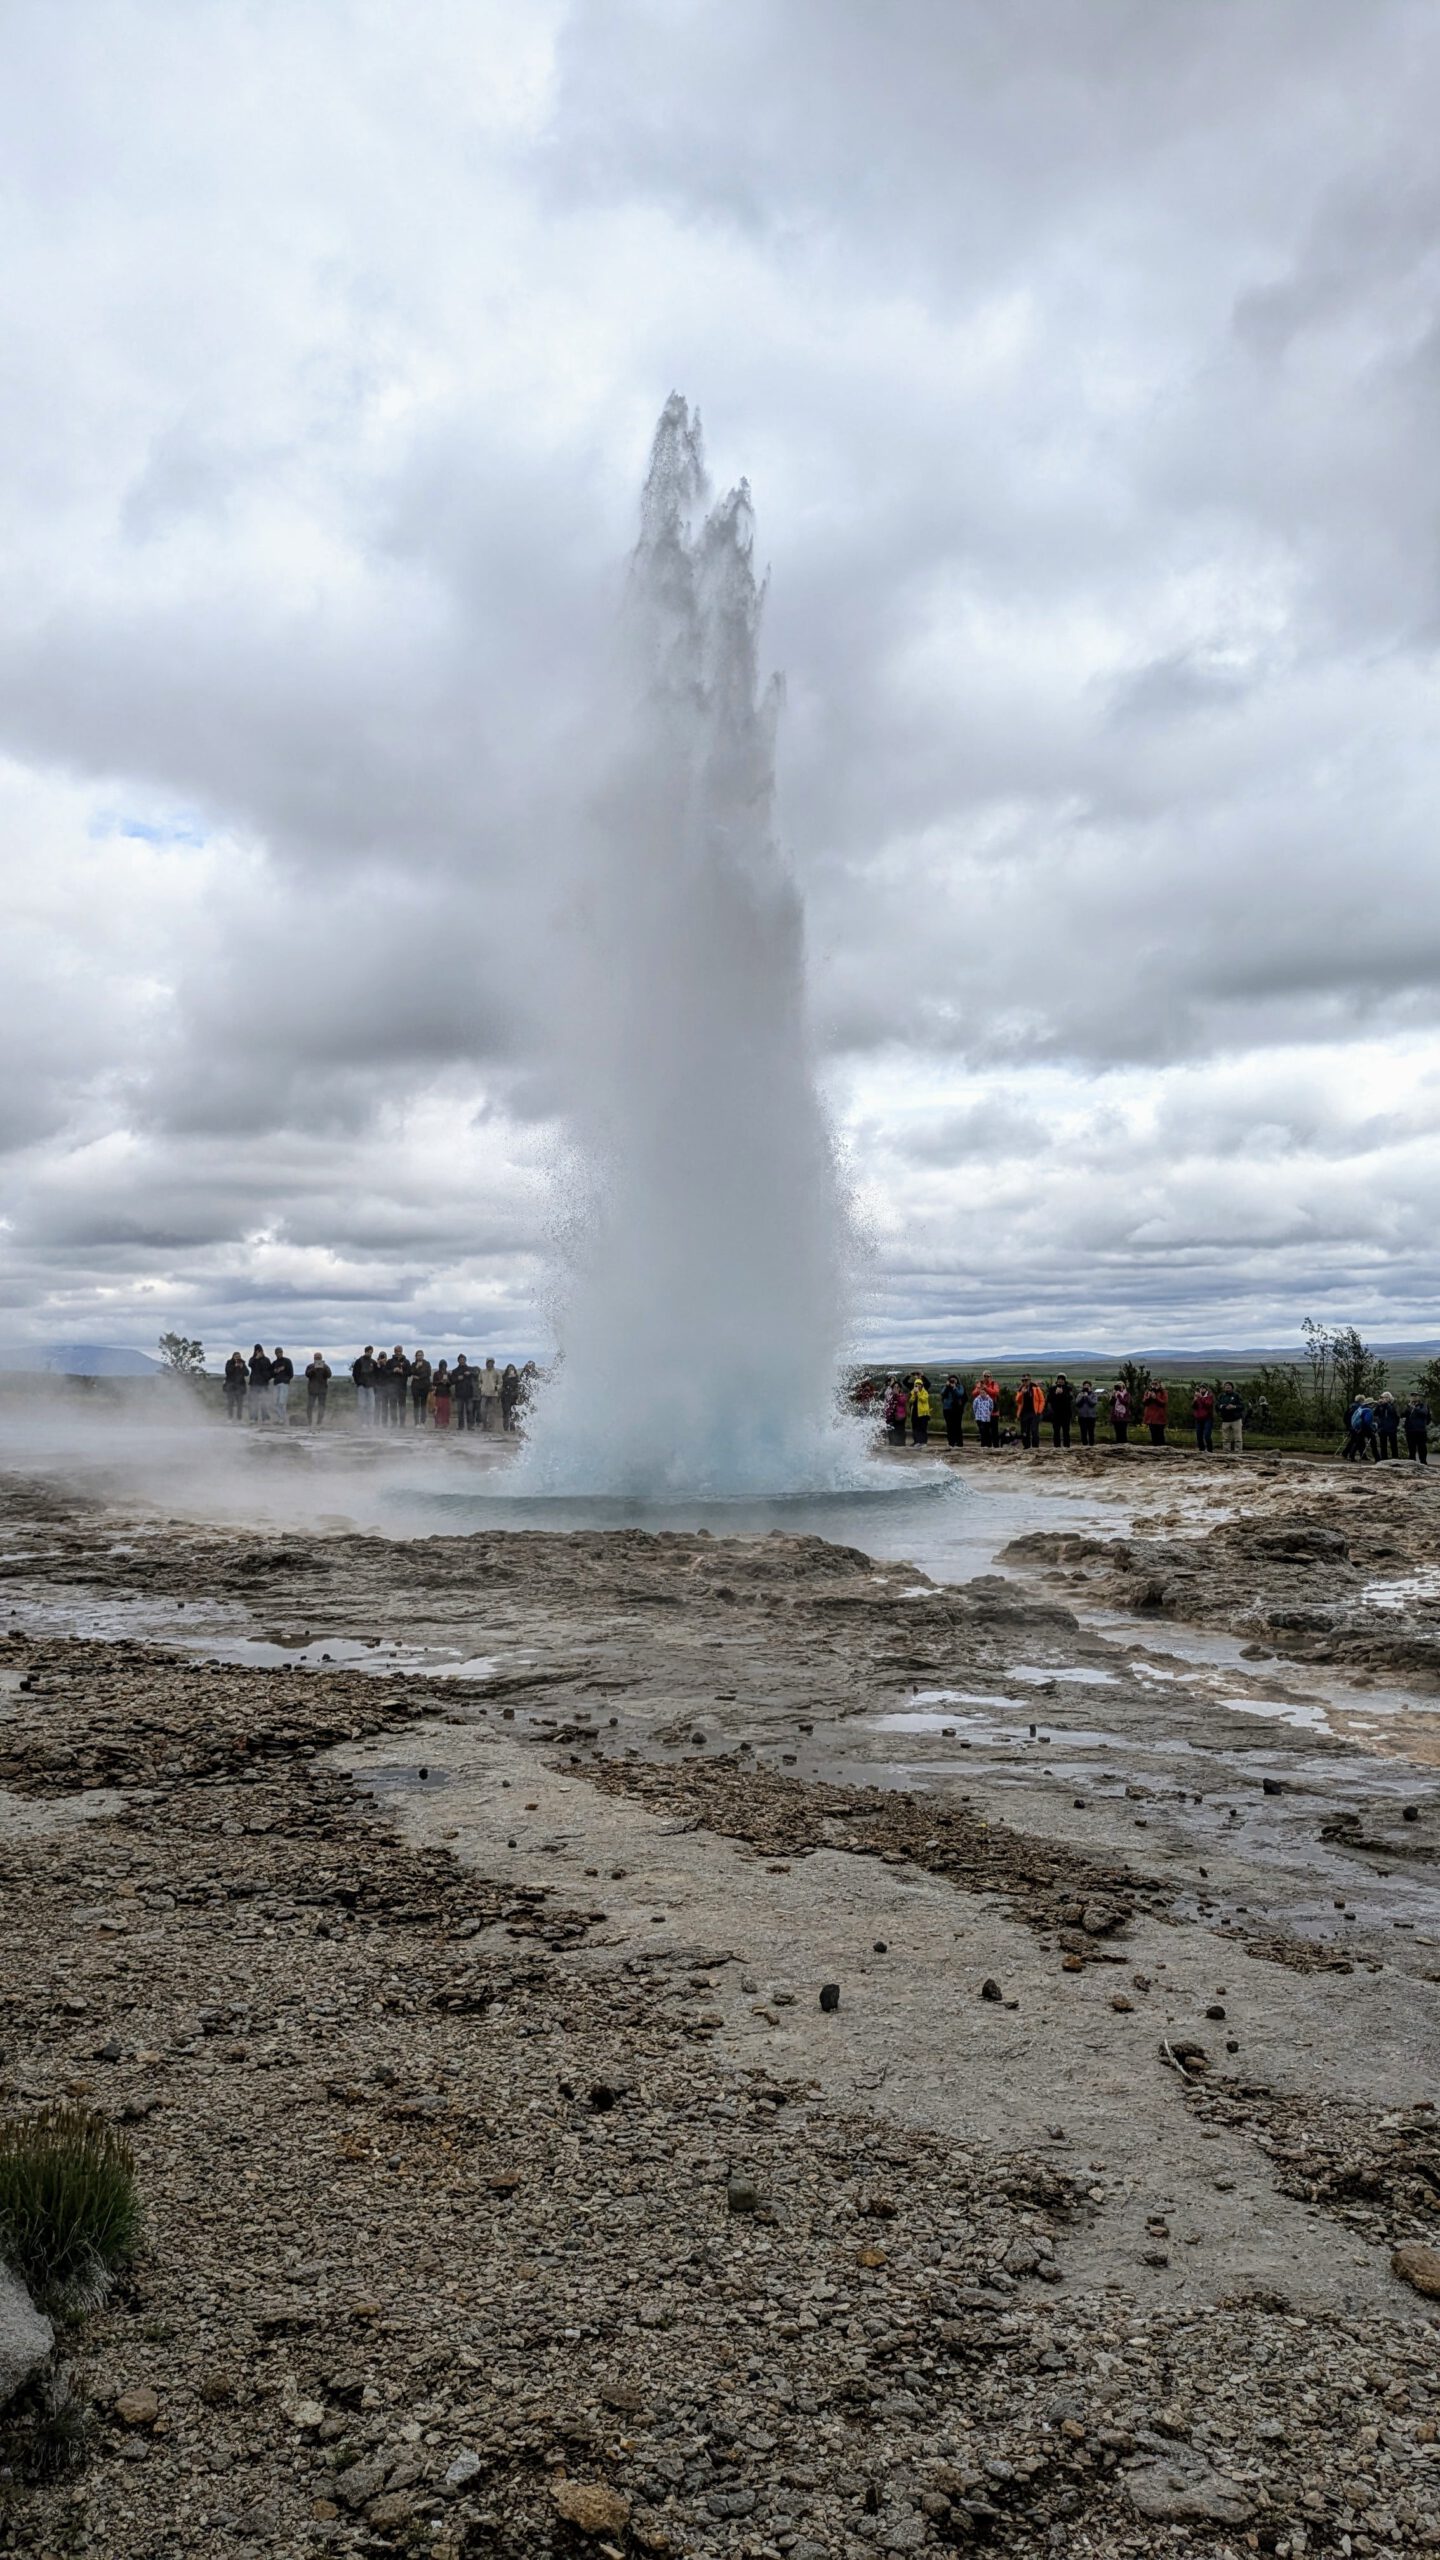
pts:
[382, 1661]
[1399, 1590]
[1080, 1676]
[402, 1778]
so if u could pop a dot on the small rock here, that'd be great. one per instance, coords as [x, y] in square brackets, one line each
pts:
[990, 1988]
[1119, 2001]
[1416, 2263]
[306, 2415]
[138, 2407]
[387, 2512]
[590, 2506]
[829, 1995]
[1272, 1786]
[1216, 2009]
[742, 2195]
[462, 2470]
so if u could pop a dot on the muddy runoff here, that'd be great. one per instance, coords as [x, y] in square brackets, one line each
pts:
[803, 2056]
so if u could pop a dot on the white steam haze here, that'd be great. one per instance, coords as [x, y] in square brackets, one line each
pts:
[704, 1310]
[1085, 358]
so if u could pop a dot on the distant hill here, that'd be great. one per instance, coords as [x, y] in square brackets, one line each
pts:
[79, 1360]
[1201, 1362]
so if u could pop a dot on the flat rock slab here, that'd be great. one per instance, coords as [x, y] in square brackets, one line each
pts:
[26, 2336]
[1175, 2493]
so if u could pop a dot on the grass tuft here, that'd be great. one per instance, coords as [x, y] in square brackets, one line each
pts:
[69, 2209]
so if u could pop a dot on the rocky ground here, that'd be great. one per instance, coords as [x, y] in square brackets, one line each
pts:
[514, 2184]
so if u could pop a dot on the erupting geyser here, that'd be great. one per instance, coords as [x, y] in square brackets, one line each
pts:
[703, 1305]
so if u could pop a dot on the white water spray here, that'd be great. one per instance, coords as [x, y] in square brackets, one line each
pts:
[704, 1301]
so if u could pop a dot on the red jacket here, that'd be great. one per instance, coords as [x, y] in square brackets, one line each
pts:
[1156, 1407]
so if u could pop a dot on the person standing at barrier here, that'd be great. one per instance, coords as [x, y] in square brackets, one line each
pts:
[1232, 1419]
[259, 1385]
[1029, 1405]
[462, 1387]
[1087, 1407]
[399, 1389]
[488, 1389]
[317, 1388]
[420, 1374]
[363, 1373]
[237, 1386]
[282, 1372]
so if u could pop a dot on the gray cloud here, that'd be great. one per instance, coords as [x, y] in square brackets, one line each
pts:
[1085, 360]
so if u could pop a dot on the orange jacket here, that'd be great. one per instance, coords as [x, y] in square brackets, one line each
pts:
[1032, 1397]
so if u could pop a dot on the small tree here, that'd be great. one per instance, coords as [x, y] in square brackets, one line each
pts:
[1428, 1383]
[182, 1356]
[1358, 1370]
[1320, 1352]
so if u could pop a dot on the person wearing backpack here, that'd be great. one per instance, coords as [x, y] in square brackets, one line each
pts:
[1363, 1440]
[1202, 1406]
[1387, 1424]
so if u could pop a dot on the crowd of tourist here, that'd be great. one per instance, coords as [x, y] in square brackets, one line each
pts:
[1024, 1411]
[393, 1389]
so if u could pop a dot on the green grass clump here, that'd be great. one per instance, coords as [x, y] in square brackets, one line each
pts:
[69, 2209]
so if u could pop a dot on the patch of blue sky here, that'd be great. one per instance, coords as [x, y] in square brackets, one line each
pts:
[166, 827]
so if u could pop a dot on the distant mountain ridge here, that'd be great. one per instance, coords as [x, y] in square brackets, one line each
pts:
[78, 1360]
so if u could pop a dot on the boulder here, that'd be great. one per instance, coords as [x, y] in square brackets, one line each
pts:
[26, 2336]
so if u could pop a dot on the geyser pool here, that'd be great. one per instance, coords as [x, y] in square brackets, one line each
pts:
[703, 1304]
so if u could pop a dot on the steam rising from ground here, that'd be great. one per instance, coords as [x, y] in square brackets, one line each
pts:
[703, 1304]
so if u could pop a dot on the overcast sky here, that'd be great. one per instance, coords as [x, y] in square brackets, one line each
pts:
[1084, 360]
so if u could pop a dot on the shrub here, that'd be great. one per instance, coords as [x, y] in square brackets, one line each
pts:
[69, 2211]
